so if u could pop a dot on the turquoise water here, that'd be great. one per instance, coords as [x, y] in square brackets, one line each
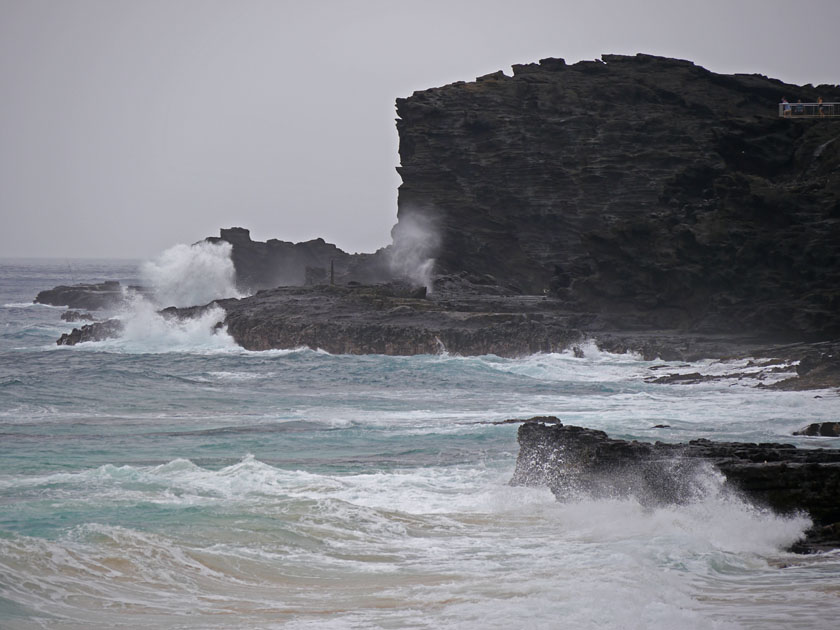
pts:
[170, 479]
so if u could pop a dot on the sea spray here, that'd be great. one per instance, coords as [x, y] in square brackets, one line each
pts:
[147, 330]
[191, 275]
[183, 275]
[416, 243]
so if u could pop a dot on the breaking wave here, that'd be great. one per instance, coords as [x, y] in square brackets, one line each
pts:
[191, 275]
[145, 330]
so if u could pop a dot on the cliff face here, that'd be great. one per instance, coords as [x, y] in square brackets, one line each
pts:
[649, 190]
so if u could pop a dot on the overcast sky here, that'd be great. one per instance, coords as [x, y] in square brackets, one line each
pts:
[127, 126]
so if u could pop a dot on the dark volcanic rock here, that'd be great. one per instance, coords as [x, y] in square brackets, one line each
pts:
[395, 319]
[648, 190]
[818, 368]
[97, 331]
[91, 297]
[574, 460]
[823, 429]
[273, 263]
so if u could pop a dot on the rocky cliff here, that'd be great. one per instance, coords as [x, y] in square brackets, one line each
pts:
[648, 190]
[644, 202]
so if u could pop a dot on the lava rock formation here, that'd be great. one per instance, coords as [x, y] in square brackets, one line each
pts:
[575, 461]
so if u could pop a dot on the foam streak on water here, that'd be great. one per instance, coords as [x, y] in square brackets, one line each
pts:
[169, 479]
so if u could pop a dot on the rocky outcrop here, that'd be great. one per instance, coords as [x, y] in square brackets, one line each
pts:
[273, 263]
[650, 191]
[818, 367]
[108, 294]
[821, 429]
[575, 461]
[394, 319]
[98, 331]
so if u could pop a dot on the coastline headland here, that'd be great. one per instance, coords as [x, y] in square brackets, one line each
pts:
[641, 202]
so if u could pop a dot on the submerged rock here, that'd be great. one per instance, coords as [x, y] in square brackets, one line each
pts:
[575, 461]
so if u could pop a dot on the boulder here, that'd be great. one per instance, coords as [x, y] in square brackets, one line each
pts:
[822, 429]
[575, 461]
[98, 331]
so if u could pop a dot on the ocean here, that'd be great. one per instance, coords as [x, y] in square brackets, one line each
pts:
[170, 479]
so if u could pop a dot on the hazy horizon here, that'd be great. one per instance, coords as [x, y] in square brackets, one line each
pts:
[128, 127]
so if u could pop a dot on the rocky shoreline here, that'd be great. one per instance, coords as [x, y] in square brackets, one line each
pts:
[399, 318]
[641, 201]
[645, 204]
[575, 462]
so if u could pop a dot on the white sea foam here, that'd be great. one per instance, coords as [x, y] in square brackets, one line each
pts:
[32, 305]
[191, 275]
[145, 330]
[716, 520]
[595, 366]
[456, 545]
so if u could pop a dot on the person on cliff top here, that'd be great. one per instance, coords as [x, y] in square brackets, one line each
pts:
[785, 107]
[820, 106]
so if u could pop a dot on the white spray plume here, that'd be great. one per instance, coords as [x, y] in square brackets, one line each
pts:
[145, 330]
[416, 243]
[191, 275]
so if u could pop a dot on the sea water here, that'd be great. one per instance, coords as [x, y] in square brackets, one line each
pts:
[170, 479]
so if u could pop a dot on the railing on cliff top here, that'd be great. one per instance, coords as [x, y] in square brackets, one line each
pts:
[809, 110]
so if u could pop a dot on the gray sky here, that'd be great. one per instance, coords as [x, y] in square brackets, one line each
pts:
[127, 126]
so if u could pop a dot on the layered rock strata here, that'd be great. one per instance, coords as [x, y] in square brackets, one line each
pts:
[578, 462]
